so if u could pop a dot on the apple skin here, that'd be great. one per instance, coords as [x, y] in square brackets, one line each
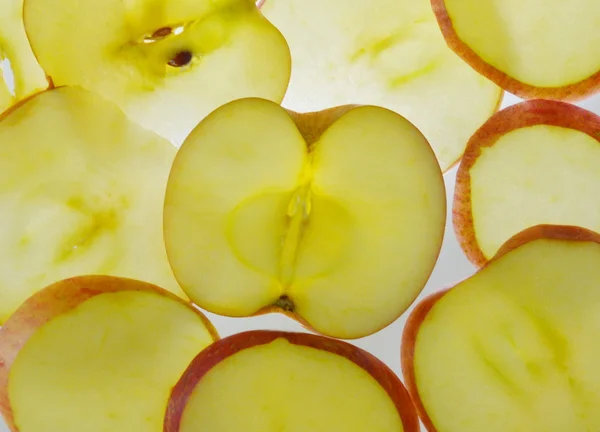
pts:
[419, 313]
[57, 299]
[571, 92]
[524, 114]
[228, 346]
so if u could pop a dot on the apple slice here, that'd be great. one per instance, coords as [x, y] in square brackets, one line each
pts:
[388, 53]
[514, 347]
[273, 381]
[534, 49]
[167, 64]
[20, 73]
[334, 218]
[81, 192]
[532, 163]
[96, 354]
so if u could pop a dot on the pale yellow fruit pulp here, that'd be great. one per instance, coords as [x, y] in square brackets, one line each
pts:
[281, 386]
[347, 229]
[81, 192]
[388, 53]
[515, 347]
[107, 365]
[534, 175]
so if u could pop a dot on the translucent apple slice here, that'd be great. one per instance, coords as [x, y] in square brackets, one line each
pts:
[96, 354]
[388, 53]
[336, 220]
[81, 192]
[514, 347]
[20, 73]
[532, 163]
[167, 64]
[535, 49]
[274, 381]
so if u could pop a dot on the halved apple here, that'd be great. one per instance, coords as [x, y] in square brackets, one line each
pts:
[533, 49]
[387, 53]
[20, 73]
[167, 64]
[81, 192]
[533, 163]
[96, 354]
[335, 218]
[514, 347]
[268, 381]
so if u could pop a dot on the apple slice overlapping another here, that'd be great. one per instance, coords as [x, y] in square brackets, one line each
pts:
[335, 218]
[388, 53]
[20, 73]
[81, 192]
[167, 64]
[96, 354]
[514, 347]
[535, 49]
[533, 163]
[269, 381]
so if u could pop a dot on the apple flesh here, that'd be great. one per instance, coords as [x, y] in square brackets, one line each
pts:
[96, 354]
[267, 381]
[532, 163]
[334, 218]
[387, 53]
[81, 191]
[533, 49]
[514, 347]
[166, 64]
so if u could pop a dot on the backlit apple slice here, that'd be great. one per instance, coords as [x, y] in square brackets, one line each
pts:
[335, 218]
[167, 64]
[387, 53]
[96, 354]
[81, 192]
[532, 163]
[514, 347]
[271, 381]
[20, 73]
[534, 49]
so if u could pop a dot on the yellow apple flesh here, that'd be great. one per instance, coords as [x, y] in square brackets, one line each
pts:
[388, 53]
[96, 354]
[335, 218]
[81, 192]
[167, 64]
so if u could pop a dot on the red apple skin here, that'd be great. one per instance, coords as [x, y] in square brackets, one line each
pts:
[53, 301]
[570, 92]
[419, 313]
[524, 114]
[228, 346]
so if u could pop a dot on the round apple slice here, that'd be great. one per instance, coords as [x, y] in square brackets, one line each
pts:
[167, 64]
[272, 381]
[534, 49]
[388, 53]
[532, 163]
[514, 347]
[81, 192]
[335, 218]
[95, 354]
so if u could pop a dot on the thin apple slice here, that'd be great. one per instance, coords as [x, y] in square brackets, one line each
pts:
[96, 354]
[273, 381]
[532, 163]
[514, 347]
[20, 74]
[167, 64]
[81, 192]
[535, 49]
[388, 53]
[336, 220]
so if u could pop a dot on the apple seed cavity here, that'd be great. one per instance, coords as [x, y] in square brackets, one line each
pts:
[181, 59]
